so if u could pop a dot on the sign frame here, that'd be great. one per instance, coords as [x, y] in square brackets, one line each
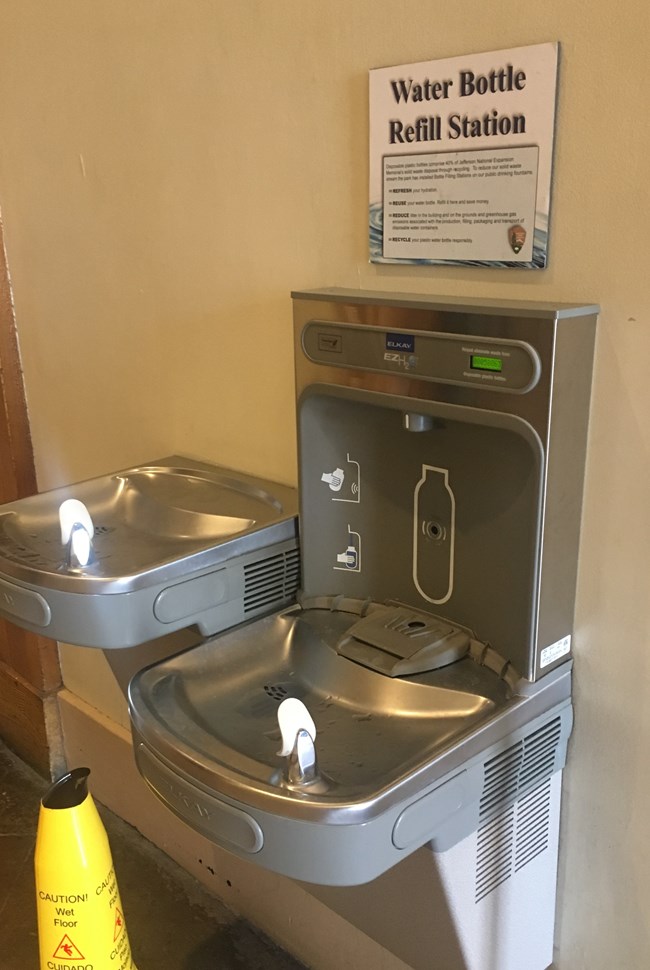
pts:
[461, 159]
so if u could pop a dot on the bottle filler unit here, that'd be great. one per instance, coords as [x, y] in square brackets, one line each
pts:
[442, 449]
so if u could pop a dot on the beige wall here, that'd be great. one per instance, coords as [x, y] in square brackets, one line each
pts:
[170, 171]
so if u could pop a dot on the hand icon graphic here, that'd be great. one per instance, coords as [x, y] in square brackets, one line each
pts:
[334, 479]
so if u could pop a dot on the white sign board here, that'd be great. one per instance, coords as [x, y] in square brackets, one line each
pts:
[461, 155]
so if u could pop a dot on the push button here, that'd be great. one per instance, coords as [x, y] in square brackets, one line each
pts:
[24, 604]
[422, 817]
[203, 812]
[190, 597]
[332, 342]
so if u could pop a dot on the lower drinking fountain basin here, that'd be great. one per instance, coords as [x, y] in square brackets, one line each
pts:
[400, 759]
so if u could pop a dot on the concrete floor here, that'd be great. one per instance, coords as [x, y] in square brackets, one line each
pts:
[173, 923]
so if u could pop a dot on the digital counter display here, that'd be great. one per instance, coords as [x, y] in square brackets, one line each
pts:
[477, 362]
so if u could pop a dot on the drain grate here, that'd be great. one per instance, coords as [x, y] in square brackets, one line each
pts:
[262, 702]
[277, 691]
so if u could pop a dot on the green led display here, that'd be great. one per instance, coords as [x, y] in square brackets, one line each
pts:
[477, 362]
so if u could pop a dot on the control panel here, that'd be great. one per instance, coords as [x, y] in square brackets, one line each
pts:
[498, 364]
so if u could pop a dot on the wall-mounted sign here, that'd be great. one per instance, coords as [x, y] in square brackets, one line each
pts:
[461, 154]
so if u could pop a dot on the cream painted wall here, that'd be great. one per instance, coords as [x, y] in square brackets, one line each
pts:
[170, 171]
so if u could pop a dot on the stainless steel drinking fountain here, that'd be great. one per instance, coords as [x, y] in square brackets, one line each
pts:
[442, 448]
[413, 700]
[118, 560]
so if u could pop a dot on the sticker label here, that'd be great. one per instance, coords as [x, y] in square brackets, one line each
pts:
[556, 650]
[400, 341]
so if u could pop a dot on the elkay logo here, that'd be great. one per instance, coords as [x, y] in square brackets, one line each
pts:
[400, 341]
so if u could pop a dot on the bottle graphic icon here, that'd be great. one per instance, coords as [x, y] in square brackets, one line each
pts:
[434, 527]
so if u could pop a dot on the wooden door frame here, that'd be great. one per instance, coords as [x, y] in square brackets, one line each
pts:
[30, 674]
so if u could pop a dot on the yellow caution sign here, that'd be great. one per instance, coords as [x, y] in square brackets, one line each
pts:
[80, 915]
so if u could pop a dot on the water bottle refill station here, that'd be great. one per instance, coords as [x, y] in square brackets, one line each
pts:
[415, 702]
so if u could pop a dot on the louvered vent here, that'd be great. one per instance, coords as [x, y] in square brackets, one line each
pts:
[510, 841]
[517, 786]
[519, 768]
[533, 817]
[272, 581]
[494, 854]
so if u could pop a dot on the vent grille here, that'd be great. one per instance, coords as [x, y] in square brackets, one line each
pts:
[272, 581]
[515, 807]
[519, 768]
[510, 841]
[533, 824]
[495, 853]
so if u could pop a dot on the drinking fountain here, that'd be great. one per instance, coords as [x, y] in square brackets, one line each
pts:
[404, 693]
[119, 559]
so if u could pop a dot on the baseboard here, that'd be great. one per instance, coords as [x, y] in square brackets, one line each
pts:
[24, 717]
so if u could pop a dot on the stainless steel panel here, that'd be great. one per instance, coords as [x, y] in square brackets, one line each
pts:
[152, 522]
[554, 407]
[212, 712]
